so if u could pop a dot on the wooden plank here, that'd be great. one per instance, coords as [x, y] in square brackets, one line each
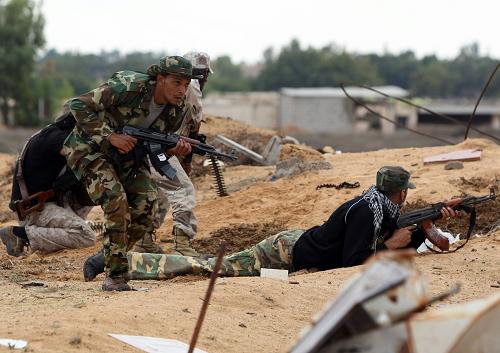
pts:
[462, 155]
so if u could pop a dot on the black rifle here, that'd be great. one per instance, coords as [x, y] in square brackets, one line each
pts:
[155, 143]
[423, 218]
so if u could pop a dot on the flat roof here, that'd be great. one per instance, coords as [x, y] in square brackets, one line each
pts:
[463, 107]
[336, 92]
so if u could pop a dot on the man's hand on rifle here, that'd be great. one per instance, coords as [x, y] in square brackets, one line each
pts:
[400, 238]
[448, 212]
[182, 149]
[124, 143]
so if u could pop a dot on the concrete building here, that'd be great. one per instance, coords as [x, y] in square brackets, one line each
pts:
[256, 108]
[487, 113]
[329, 110]
[322, 109]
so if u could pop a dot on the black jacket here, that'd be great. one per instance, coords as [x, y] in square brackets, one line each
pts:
[344, 240]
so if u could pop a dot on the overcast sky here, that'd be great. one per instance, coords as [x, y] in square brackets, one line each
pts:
[244, 29]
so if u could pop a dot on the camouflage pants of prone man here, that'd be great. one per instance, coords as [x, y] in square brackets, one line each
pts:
[273, 252]
[129, 204]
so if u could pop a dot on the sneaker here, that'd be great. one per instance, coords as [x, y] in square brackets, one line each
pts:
[118, 284]
[15, 245]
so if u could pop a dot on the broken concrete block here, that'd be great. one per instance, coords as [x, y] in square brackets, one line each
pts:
[454, 165]
[379, 311]
[463, 155]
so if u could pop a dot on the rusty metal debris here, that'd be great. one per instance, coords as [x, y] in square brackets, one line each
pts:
[206, 301]
[379, 311]
[342, 185]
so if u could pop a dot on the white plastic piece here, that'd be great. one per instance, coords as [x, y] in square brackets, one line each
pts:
[155, 344]
[281, 275]
[424, 247]
[13, 344]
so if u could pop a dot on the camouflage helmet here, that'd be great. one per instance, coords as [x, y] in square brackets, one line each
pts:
[176, 65]
[393, 179]
[199, 60]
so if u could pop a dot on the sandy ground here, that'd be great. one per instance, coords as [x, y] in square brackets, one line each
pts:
[246, 314]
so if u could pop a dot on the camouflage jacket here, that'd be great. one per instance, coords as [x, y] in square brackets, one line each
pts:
[191, 124]
[123, 100]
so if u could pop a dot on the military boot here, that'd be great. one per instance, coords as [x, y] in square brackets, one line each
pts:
[118, 284]
[93, 266]
[147, 245]
[183, 244]
[14, 245]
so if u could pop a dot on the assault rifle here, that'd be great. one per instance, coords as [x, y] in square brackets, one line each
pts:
[155, 143]
[423, 218]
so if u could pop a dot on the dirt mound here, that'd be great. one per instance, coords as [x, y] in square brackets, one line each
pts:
[234, 129]
[238, 236]
[477, 183]
[477, 143]
[301, 152]
[249, 136]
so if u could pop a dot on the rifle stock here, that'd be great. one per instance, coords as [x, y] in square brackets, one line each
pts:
[25, 207]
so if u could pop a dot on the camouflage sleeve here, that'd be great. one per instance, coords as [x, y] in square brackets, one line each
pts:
[88, 110]
[193, 101]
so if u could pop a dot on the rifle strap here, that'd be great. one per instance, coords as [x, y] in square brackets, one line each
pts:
[154, 112]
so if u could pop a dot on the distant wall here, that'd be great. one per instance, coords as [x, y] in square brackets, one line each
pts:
[314, 114]
[256, 108]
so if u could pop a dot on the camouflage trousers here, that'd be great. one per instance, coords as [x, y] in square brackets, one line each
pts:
[57, 228]
[127, 197]
[180, 194]
[272, 252]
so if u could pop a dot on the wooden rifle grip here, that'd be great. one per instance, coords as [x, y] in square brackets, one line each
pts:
[434, 236]
[24, 208]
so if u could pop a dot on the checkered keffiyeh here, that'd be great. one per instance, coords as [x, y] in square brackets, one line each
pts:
[380, 205]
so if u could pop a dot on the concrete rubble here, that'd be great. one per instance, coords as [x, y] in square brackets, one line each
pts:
[380, 311]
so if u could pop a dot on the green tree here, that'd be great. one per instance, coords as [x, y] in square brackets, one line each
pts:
[474, 71]
[52, 89]
[227, 76]
[433, 78]
[396, 69]
[310, 67]
[21, 35]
